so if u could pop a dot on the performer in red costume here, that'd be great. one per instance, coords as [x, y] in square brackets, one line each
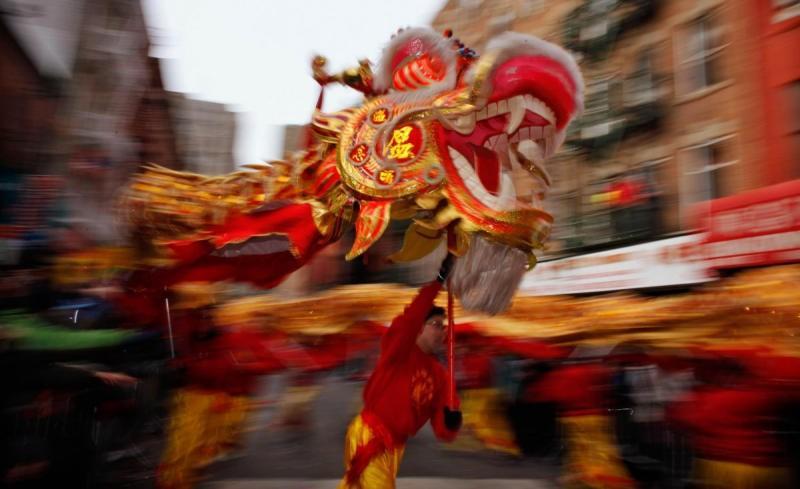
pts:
[483, 404]
[248, 358]
[407, 388]
[221, 368]
[733, 418]
[581, 393]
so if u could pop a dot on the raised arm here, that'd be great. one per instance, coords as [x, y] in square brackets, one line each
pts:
[403, 332]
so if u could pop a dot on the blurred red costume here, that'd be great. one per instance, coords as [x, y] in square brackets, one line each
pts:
[483, 405]
[208, 412]
[581, 394]
[732, 427]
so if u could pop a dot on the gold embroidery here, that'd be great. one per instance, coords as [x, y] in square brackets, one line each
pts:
[421, 389]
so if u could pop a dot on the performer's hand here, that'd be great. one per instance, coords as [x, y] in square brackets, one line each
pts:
[447, 266]
[452, 419]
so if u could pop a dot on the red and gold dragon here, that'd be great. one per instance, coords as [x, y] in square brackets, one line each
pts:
[453, 142]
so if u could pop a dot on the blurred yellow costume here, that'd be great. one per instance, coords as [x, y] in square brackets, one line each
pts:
[381, 471]
[485, 419]
[593, 460]
[713, 474]
[190, 435]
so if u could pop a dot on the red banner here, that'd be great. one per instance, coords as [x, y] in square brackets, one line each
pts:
[756, 228]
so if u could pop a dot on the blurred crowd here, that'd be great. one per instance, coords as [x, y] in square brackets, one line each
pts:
[695, 390]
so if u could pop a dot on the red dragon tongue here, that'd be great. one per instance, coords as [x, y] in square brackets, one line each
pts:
[487, 166]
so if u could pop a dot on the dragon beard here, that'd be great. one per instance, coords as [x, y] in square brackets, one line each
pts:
[488, 275]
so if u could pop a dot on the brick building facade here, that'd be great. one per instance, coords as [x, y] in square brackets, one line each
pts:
[677, 107]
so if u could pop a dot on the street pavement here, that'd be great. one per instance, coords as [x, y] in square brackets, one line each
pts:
[275, 458]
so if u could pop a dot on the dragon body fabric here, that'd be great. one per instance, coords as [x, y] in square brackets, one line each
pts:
[453, 142]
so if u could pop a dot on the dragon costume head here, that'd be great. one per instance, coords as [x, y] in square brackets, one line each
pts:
[454, 142]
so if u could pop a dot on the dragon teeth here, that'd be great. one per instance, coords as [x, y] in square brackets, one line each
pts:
[516, 110]
[502, 106]
[535, 105]
[506, 197]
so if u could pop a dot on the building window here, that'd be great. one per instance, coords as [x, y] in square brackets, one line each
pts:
[700, 54]
[641, 87]
[598, 114]
[651, 205]
[597, 98]
[595, 219]
[565, 209]
[599, 13]
[704, 170]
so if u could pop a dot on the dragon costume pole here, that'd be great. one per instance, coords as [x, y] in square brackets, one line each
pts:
[451, 334]
[169, 326]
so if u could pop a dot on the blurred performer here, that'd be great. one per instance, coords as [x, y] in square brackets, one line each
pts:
[222, 366]
[581, 393]
[407, 388]
[733, 420]
[483, 405]
[248, 358]
[190, 435]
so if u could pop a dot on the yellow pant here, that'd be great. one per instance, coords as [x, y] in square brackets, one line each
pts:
[592, 459]
[190, 438]
[487, 421]
[382, 469]
[228, 423]
[731, 475]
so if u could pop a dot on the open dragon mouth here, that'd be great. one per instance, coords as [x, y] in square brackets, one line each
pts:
[498, 153]
[488, 146]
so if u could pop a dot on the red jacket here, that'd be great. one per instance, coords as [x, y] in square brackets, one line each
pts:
[576, 390]
[476, 371]
[248, 358]
[231, 362]
[408, 386]
[732, 424]
[737, 423]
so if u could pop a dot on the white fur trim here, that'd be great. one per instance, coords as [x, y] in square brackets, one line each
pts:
[510, 44]
[435, 43]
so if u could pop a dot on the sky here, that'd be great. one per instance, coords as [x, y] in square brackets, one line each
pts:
[255, 55]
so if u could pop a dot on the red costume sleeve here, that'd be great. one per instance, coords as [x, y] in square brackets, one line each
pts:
[249, 354]
[208, 372]
[256, 367]
[577, 390]
[682, 414]
[403, 332]
[477, 371]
